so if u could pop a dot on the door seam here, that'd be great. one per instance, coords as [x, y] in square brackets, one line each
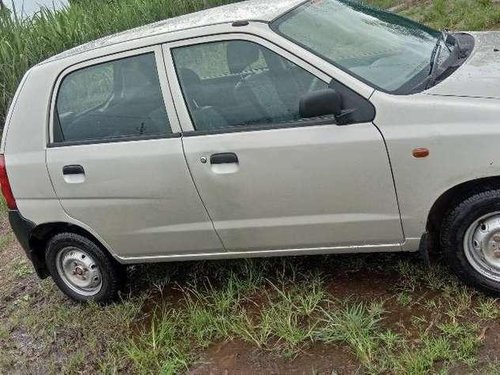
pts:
[176, 110]
[393, 182]
[199, 194]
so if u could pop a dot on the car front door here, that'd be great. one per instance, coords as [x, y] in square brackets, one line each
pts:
[116, 160]
[270, 179]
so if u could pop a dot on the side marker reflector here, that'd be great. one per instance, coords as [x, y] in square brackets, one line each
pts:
[421, 152]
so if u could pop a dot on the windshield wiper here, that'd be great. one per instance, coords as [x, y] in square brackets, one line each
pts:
[435, 58]
[436, 53]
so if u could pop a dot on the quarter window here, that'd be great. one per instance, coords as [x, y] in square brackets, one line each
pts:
[109, 101]
[240, 83]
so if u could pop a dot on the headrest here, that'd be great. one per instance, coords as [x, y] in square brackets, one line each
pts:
[189, 77]
[191, 84]
[241, 55]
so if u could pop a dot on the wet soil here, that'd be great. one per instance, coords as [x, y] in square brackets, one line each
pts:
[237, 357]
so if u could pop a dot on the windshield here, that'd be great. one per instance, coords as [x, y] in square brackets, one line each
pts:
[385, 50]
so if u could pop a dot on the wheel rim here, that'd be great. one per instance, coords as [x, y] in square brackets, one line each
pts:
[482, 246]
[79, 271]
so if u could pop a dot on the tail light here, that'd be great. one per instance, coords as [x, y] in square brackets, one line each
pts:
[4, 182]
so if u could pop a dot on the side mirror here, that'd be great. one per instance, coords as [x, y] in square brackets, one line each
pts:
[320, 103]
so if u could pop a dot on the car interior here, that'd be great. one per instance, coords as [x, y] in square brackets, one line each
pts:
[246, 96]
[135, 106]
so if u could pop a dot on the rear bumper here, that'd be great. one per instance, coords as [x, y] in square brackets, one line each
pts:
[23, 229]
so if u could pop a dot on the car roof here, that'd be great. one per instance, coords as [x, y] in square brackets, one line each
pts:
[250, 10]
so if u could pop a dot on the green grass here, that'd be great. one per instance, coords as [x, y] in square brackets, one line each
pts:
[382, 3]
[451, 14]
[354, 324]
[22, 268]
[457, 14]
[287, 313]
[25, 42]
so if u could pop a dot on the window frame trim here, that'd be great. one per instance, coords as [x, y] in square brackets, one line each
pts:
[320, 121]
[184, 115]
[156, 50]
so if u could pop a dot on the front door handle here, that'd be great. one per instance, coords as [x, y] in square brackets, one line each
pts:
[224, 158]
[73, 169]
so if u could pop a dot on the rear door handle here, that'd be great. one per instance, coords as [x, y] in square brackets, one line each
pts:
[224, 158]
[73, 169]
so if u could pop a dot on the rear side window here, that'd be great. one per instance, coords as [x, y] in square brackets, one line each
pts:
[111, 101]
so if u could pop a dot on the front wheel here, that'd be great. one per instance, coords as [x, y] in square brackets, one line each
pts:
[82, 270]
[470, 238]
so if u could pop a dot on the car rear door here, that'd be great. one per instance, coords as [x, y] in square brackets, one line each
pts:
[116, 160]
[270, 180]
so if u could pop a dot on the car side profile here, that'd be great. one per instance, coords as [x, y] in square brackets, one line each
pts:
[257, 129]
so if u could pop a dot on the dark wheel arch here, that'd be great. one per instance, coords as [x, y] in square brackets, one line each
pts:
[42, 234]
[451, 198]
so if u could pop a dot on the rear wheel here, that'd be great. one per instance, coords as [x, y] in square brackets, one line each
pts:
[471, 240]
[82, 270]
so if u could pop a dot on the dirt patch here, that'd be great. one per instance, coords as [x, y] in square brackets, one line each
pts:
[490, 350]
[12, 287]
[238, 357]
[4, 225]
[363, 284]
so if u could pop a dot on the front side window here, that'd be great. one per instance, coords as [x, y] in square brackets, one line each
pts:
[240, 83]
[109, 101]
[383, 49]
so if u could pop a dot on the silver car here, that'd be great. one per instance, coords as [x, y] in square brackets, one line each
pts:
[263, 128]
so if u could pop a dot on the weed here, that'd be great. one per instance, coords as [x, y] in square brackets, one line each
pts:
[488, 309]
[161, 347]
[250, 330]
[22, 269]
[404, 298]
[355, 324]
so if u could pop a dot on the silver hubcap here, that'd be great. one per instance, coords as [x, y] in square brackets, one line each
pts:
[79, 271]
[482, 246]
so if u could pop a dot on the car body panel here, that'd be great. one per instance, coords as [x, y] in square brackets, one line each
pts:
[25, 150]
[293, 188]
[462, 135]
[361, 249]
[49, 210]
[142, 206]
[352, 205]
[298, 187]
[479, 76]
[139, 194]
[256, 10]
[252, 29]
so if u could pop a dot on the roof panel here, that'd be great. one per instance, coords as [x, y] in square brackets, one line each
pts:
[251, 10]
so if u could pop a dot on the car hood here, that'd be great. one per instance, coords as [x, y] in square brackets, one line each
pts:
[479, 76]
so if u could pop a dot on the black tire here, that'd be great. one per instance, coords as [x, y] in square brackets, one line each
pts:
[453, 232]
[111, 272]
